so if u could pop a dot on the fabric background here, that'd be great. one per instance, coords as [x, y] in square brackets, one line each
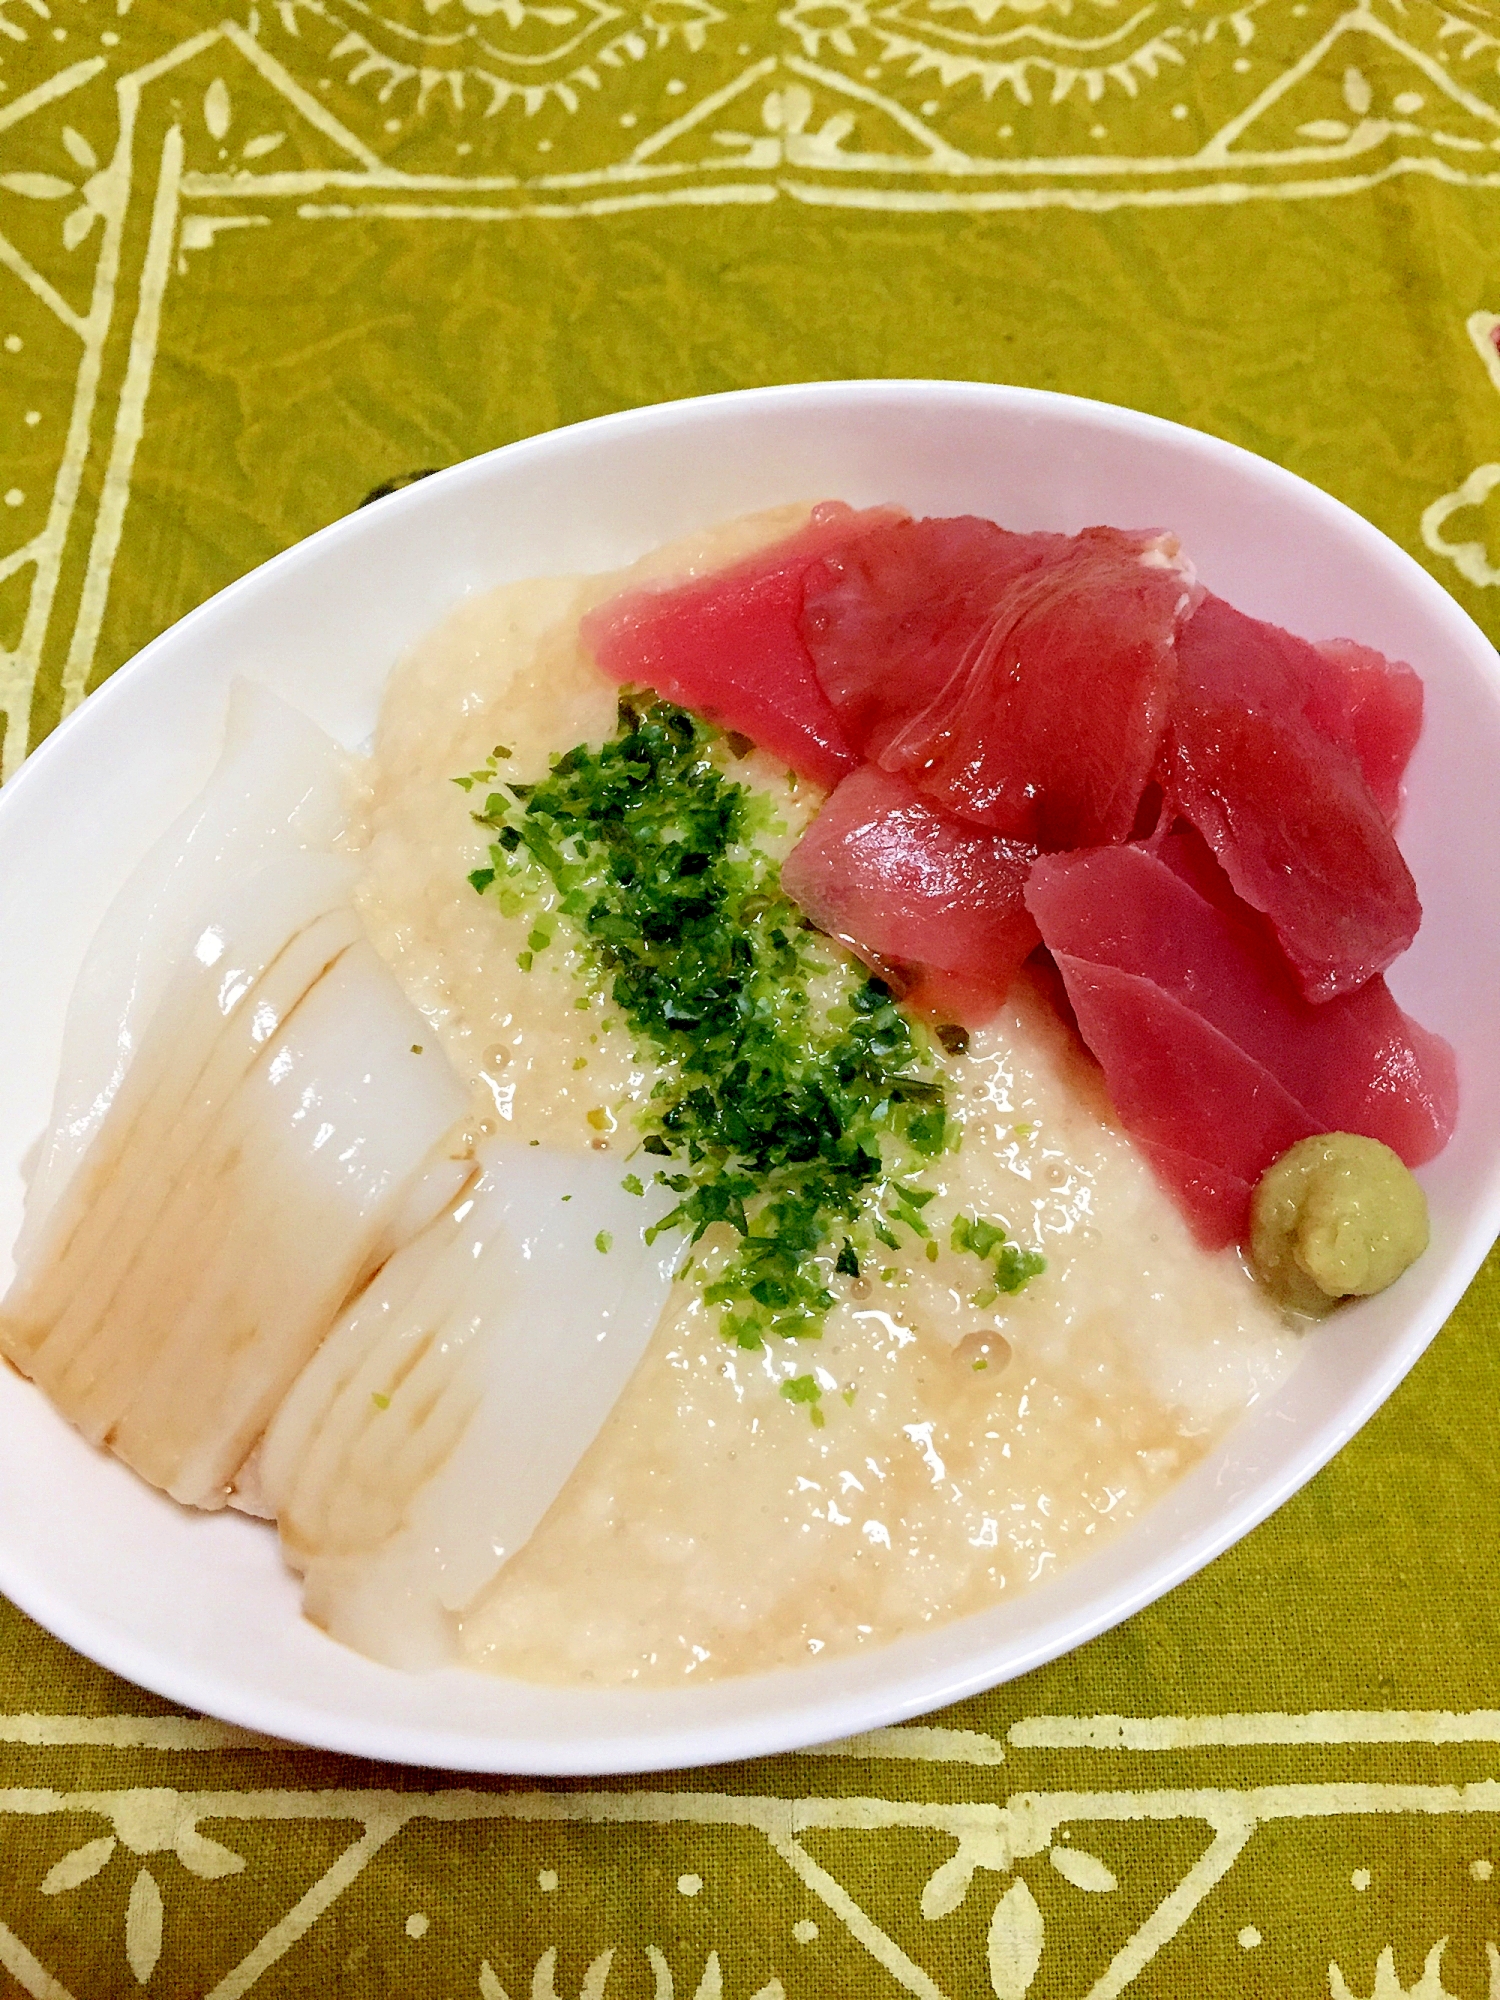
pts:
[254, 264]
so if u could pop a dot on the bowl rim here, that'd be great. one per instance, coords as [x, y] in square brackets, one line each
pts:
[814, 1718]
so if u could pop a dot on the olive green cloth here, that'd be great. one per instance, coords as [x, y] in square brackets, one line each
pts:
[253, 266]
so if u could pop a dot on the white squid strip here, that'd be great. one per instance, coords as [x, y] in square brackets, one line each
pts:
[181, 1330]
[339, 1120]
[254, 1134]
[278, 786]
[425, 1440]
[276, 932]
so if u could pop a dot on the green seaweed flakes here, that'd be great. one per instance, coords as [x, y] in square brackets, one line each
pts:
[796, 1106]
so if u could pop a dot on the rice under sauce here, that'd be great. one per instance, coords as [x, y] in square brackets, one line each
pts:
[713, 1528]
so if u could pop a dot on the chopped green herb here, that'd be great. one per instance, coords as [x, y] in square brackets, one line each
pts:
[932, 1252]
[805, 1389]
[500, 751]
[847, 1260]
[416, 1048]
[954, 1039]
[793, 1121]
[917, 1197]
[580, 1062]
[380, 1402]
[603, 1241]
[632, 1184]
[1011, 1267]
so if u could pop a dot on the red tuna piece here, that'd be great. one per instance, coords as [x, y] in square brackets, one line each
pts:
[931, 905]
[728, 645]
[1379, 714]
[1173, 1077]
[1019, 681]
[1211, 1199]
[1286, 810]
[890, 619]
[1156, 959]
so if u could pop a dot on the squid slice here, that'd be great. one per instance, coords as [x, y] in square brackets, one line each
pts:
[275, 933]
[430, 1433]
[227, 1238]
[278, 787]
[331, 1128]
[265, 1137]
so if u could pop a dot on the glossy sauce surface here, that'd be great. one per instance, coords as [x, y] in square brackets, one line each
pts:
[714, 1527]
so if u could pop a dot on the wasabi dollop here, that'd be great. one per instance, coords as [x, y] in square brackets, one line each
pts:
[1337, 1216]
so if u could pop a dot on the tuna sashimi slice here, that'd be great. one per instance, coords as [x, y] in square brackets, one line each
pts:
[1214, 1201]
[933, 906]
[891, 618]
[1155, 918]
[1178, 1083]
[1021, 682]
[1359, 1064]
[728, 645]
[1286, 810]
[1379, 714]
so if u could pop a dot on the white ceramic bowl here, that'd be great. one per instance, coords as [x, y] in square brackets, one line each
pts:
[199, 1607]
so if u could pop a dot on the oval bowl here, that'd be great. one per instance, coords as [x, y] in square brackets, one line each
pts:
[199, 1608]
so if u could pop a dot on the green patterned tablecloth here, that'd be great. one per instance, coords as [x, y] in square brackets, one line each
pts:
[254, 264]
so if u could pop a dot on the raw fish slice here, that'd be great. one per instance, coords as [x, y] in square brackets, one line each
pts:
[944, 996]
[276, 934]
[1379, 709]
[890, 619]
[1048, 722]
[379, 1339]
[335, 1121]
[1163, 918]
[1173, 1077]
[1214, 1201]
[1357, 1064]
[385, 1468]
[94, 1362]
[121, 1285]
[248, 1128]
[370, 1469]
[180, 1282]
[1287, 813]
[916, 894]
[196, 1223]
[277, 787]
[429, 1434]
[728, 646]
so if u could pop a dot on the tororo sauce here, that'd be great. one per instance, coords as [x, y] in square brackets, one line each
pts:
[714, 1528]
